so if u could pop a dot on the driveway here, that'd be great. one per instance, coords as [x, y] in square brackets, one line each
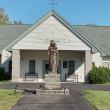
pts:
[30, 101]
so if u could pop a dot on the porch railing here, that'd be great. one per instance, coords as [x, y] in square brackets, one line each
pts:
[73, 76]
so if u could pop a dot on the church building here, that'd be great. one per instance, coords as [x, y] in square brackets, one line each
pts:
[24, 49]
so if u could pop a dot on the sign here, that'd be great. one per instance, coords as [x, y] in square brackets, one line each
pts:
[47, 39]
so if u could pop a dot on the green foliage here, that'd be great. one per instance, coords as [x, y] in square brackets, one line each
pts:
[7, 76]
[108, 71]
[5, 82]
[4, 19]
[92, 25]
[99, 75]
[18, 22]
[4, 75]
[8, 98]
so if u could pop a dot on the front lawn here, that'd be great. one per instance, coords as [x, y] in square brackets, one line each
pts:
[5, 82]
[105, 84]
[8, 98]
[99, 99]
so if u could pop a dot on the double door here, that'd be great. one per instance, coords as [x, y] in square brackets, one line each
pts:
[65, 67]
[68, 68]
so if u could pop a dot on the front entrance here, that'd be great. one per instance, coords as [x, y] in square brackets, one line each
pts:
[45, 67]
[71, 67]
[68, 68]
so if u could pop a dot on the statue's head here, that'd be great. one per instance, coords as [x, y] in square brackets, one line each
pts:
[52, 42]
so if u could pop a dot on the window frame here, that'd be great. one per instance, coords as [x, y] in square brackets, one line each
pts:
[63, 63]
[106, 62]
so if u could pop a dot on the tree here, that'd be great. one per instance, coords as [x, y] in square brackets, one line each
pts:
[18, 22]
[4, 19]
[92, 25]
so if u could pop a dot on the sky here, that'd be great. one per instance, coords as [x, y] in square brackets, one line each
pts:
[76, 12]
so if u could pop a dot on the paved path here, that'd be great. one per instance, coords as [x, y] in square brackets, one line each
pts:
[30, 101]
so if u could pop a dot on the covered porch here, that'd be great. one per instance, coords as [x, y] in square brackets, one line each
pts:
[71, 63]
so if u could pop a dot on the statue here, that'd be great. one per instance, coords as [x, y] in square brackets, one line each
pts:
[53, 57]
[52, 80]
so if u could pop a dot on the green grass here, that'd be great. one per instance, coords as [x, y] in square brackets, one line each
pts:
[5, 82]
[105, 84]
[99, 99]
[8, 98]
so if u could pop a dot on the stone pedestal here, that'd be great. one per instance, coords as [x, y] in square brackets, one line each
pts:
[52, 81]
[52, 86]
[53, 92]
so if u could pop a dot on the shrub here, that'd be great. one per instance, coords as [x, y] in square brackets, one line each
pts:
[4, 75]
[108, 72]
[7, 76]
[99, 75]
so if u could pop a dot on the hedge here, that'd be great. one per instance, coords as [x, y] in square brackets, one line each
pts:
[4, 75]
[99, 75]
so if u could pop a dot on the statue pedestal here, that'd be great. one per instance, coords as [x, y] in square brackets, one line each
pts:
[52, 86]
[52, 81]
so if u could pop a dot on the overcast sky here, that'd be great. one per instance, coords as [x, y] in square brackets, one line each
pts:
[77, 12]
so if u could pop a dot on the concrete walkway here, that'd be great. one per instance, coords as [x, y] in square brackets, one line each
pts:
[30, 101]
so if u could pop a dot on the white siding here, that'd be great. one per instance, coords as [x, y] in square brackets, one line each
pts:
[78, 57]
[51, 29]
[6, 56]
[38, 57]
[106, 60]
[97, 59]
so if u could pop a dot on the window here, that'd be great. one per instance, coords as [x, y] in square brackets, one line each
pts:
[105, 64]
[93, 64]
[32, 66]
[65, 64]
[46, 68]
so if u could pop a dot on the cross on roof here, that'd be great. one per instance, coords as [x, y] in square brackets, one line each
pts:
[53, 4]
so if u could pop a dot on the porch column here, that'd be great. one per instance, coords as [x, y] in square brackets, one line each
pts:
[15, 65]
[88, 64]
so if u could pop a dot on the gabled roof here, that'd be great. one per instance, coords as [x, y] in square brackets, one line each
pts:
[73, 29]
[9, 33]
[98, 35]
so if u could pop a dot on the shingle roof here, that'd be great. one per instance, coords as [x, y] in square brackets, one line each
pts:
[10, 32]
[98, 35]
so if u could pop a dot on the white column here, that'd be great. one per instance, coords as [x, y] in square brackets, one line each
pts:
[15, 65]
[88, 64]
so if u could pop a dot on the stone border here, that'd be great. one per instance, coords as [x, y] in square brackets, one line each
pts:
[52, 92]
